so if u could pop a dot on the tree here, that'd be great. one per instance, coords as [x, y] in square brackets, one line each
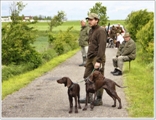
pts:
[101, 12]
[15, 9]
[136, 20]
[17, 40]
[56, 20]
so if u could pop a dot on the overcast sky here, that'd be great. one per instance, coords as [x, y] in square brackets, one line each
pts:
[77, 10]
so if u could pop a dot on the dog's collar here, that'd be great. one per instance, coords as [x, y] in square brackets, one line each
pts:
[71, 86]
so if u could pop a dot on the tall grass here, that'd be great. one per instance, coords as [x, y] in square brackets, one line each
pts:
[140, 91]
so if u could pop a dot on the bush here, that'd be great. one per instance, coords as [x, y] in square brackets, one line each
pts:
[145, 38]
[48, 55]
[136, 20]
[16, 44]
[65, 41]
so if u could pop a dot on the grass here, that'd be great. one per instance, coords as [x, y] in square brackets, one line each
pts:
[43, 26]
[122, 22]
[41, 44]
[140, 91]
[17, 82]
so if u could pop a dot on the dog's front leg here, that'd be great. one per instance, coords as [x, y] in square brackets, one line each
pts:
[71, 104]
[76, 110]
[92, 103]
[86, 104]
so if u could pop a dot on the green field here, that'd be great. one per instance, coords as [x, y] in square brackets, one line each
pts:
[43, 26]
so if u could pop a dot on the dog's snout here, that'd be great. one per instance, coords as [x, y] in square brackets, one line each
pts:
[58, 81]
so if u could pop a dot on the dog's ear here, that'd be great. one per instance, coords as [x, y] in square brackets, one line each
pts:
[69, 82]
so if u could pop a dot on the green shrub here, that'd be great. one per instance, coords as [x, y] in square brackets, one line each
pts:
[65, 41]
[145, 38]
[48, 55]
[136, 20]
[16, 44]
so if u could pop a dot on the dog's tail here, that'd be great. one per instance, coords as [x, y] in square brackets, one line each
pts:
[120, 86]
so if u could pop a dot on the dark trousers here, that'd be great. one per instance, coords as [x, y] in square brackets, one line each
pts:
[117, 44]
[90, 66]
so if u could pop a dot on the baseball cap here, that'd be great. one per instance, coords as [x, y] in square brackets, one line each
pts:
[126, 35]
[92, 16]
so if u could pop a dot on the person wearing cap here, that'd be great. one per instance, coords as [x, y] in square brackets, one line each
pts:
[96, 52]
[83, 40]
[126, 52]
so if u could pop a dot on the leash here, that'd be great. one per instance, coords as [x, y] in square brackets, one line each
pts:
[87, 77]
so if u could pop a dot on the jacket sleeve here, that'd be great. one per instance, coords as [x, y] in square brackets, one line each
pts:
[128, 49]
[102, 38]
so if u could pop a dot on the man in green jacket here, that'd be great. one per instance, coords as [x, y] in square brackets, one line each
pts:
[126, 52]
[96, 52]
[83, 41]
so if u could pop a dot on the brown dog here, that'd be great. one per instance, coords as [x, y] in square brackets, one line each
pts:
[73, 91]
[95, 81]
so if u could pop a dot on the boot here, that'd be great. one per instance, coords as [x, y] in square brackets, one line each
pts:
[90, 98]
[98, 100]
[84, 61]
[117, 73]
[115, 70]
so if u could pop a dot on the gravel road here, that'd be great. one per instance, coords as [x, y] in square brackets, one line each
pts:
[45, 98]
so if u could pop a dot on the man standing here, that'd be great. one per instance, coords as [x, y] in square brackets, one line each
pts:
[96, 52]
[119, 29]
[83, 41]
[126, 52]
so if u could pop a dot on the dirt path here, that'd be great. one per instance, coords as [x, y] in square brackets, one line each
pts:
[45, 98]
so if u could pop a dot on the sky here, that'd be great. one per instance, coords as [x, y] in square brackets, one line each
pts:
[77, 10]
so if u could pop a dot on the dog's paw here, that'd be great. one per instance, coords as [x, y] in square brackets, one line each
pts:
[119, 107]
[113, 105]
[70, 111]
[84, 109]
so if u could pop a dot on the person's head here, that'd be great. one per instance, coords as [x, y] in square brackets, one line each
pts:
[83, 23]
[93, 19]
[127, 36]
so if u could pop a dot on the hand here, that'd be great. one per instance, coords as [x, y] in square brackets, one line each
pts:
[97, 65]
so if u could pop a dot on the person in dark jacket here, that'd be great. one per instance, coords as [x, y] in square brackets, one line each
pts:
[119, 29]
[83, 41]
[126, 52]
[96, 52]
